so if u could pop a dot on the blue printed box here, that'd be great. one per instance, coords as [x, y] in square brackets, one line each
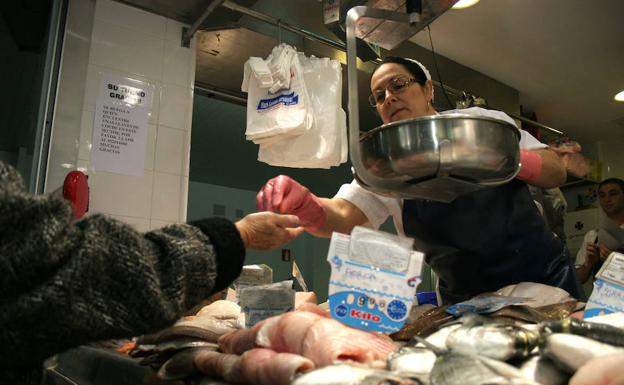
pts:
[608, 294]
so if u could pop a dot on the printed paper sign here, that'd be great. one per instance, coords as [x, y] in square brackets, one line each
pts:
[120, 127]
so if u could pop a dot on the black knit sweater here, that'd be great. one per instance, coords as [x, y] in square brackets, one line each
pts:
[65, 283]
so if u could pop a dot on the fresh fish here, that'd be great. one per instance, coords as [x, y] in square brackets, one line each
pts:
[210, 323]
[220, 309]
[561, 310]
[418, 311]
[257, 366]
[156, 360]
[600, 332]
[241, 340]
[544, 371]
[413, 361]
[527, 313]
[203, 328]
[423, 326]
[351, 375]
[177, 344]
[198, 328]
[453, 368]
[219, 365]
[179, 366]
[266, 367]
[156, 355]
[462, 369]
[438, 338]
[416, 359]
[571, 351]
[499, 341]
[323, 340]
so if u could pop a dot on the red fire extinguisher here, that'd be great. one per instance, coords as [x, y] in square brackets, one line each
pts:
[76, 191]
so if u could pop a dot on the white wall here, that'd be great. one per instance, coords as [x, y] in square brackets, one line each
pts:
[583, 195]
[106, 37]
[612, 156]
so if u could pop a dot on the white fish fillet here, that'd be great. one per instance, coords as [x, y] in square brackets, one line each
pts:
[574, 351]
[220, 309]
[324, 340]
[256, 366]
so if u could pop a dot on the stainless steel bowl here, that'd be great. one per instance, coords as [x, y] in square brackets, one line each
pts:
[438, 157]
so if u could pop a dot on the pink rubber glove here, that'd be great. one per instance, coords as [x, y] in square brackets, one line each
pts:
[284, 195]
[530, 166]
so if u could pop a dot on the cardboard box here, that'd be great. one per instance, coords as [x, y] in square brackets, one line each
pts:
[608, 294]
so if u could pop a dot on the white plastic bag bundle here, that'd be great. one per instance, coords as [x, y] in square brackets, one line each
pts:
[325, 144]
[257, 68]
[277, 101]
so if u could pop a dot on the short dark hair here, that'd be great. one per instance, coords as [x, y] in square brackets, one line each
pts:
[411, 67]
[617, 181]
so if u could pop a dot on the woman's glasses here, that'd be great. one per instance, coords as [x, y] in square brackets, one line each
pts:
[396, 86]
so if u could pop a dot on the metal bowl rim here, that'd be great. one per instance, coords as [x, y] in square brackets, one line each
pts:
[455, 116]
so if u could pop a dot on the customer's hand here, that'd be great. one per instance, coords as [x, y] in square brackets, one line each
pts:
[597, 253]
[604, 252]
[283, 194]
[605, 370]
[265, 230]
[592, 254]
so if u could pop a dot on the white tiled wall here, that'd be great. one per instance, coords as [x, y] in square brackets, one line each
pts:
[125, 41]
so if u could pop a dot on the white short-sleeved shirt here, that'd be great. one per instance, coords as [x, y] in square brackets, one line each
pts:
[581, 255]
[610, 235]
[377, 208]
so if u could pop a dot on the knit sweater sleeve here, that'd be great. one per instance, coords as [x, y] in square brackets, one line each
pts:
[66, 283]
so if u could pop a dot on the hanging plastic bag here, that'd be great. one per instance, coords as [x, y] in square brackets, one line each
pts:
[283, 107]
[258, 69]
[325, 144]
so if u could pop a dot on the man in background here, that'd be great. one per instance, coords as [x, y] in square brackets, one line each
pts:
[599, 243]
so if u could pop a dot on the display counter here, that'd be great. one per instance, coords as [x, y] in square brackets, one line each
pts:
[98, 366]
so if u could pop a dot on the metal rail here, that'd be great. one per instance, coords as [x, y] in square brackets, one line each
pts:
[536, 124]
[320, 39]
[271, 20]
[188, 34]
[207, 89]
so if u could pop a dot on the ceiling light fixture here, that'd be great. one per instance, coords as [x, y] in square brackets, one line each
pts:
[619, 97]
[461, 4]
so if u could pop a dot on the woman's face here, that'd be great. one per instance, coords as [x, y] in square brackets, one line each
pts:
[411, 102]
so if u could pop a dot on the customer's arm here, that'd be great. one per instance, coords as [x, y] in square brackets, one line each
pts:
[587, 257]
[66, 283]
[583, 272]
